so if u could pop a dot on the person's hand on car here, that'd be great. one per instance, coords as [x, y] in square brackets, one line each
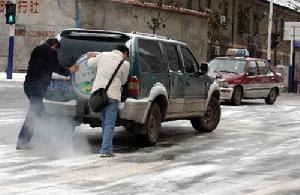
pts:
[74, 68]
[91, 54]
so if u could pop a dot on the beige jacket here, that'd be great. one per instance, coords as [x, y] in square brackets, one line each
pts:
[106, 63]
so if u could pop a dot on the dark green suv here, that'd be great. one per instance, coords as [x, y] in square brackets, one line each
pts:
[165, 83]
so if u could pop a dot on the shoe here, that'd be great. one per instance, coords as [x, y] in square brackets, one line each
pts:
[106, 155]
[23, 146]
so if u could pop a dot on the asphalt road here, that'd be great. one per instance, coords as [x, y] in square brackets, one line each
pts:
[254, 150]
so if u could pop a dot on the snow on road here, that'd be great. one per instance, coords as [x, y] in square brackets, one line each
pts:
[15, 77]
[254, 150]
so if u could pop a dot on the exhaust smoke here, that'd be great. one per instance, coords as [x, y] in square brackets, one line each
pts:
[55, 137]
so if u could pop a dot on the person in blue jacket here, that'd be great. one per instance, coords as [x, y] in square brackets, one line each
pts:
[43, 62]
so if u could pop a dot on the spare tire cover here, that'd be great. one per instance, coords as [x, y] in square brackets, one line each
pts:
[83, 79]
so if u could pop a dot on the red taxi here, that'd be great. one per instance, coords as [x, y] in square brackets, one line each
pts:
[242, 77]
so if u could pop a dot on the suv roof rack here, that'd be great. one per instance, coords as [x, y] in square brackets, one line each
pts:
[148, 34]
[89, 33]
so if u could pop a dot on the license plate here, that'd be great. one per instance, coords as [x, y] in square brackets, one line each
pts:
[59, 85]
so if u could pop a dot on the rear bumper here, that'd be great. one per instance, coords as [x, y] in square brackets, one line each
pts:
[134, 110]
[60, 108]
[130, 110]
[281, 88]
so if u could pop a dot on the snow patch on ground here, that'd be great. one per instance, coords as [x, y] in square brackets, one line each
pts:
[15, 77]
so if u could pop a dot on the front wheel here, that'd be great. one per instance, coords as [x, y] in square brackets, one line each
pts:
[271, 97]
[151, 127]
[237, 96]
[210, 121]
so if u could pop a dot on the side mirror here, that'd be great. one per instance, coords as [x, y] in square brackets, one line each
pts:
[201, 70]
[204, 67]
[190, 68]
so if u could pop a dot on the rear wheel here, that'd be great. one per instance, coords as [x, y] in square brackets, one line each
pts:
[271, 97]
[237, 96]
[151, 127]
[210, 121]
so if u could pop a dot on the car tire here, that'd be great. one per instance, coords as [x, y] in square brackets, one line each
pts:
[271, 97]
[237, 96]
[151, 127]
[210, 121]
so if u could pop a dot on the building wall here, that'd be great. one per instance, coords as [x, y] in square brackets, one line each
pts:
[255, 39]
[36, 20]
[189, 4]
[189, 27]
[40, 19]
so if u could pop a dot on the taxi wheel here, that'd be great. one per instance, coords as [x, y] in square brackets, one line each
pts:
[210, 121]
[237, 96]
[271, 97]
[151, 127]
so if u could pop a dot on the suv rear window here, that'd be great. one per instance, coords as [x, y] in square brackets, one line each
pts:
[73, 47]
[150, 56]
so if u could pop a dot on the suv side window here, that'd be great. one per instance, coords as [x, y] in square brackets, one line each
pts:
[189, 61]
[150, 56]
[263, 68]
[172, 56]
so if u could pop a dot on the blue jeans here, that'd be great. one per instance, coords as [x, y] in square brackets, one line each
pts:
[108, 117]
[35, 94]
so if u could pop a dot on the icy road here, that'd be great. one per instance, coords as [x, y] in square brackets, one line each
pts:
[254, 150]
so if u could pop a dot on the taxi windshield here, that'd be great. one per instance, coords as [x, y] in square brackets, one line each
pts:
[227, 65]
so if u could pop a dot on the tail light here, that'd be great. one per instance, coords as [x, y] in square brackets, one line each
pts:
[133, 86]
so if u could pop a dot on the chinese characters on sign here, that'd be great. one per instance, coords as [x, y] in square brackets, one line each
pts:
[23, 6]
[2, 5]
[34, 5]
[22, 32]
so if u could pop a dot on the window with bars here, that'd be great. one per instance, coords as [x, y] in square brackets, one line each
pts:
[243, 19]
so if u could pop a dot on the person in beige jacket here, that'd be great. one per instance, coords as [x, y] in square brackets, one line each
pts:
[106, 63]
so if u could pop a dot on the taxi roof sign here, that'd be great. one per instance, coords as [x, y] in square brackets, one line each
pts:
[237, 52]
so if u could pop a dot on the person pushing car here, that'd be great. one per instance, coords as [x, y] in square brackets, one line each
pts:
[43, 62]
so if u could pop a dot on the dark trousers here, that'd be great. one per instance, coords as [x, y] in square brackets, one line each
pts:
[35, 94]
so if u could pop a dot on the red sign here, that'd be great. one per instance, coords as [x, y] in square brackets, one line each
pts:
[2, 5]
[34, 6]
[23, 6]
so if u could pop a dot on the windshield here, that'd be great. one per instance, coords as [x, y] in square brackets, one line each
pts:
[227, 65]
[72, 48]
